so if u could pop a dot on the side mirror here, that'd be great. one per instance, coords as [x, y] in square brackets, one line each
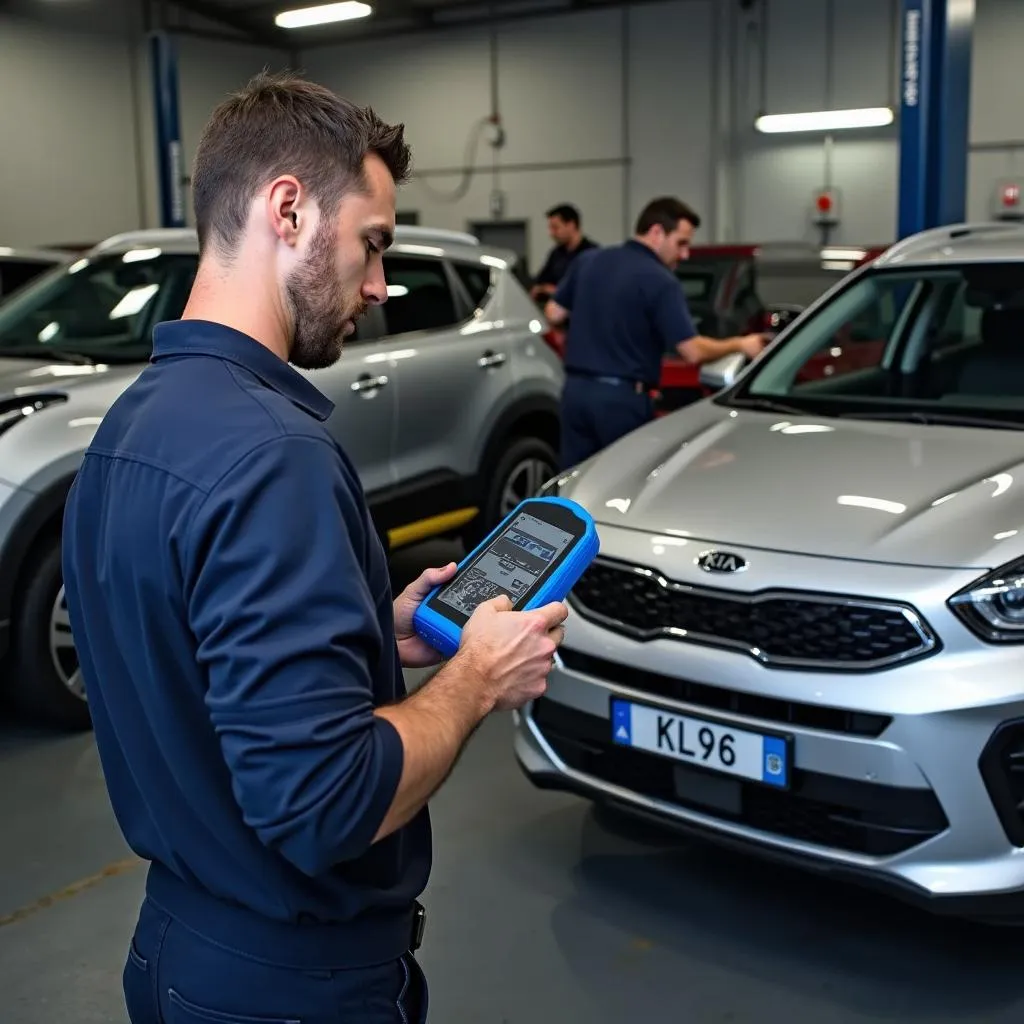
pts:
[722, 373]
[777, 318]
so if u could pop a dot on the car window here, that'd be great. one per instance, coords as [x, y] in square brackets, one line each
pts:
[14, 273]
[936, 338]
[476, 278]
[100, 308]
[419, 295]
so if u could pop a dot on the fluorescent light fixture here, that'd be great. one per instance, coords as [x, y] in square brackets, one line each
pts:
[825, 120]
[324, 14]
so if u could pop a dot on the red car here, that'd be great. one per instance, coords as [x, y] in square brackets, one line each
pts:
[736, 289]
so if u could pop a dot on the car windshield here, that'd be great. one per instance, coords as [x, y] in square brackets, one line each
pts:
[100, 309]
[943, 343]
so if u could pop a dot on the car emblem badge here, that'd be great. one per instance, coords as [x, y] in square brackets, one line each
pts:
[721, 561]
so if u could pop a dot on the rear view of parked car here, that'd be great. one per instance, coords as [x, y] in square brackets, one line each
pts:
[446, 399]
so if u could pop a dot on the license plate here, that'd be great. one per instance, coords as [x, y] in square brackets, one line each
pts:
[703, 743]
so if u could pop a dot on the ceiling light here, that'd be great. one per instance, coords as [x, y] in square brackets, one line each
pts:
[825, 120]
[304, 17]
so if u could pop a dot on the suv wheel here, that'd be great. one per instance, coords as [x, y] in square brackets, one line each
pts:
[526, 464]
[46, 678]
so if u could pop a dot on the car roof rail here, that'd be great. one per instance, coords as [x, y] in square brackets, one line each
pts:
[418, 233]
[145, 236]
[926, 241]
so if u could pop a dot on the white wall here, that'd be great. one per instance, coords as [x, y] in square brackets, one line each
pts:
[604, 108]
[77, 151]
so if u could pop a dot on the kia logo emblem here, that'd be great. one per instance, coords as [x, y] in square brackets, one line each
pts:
[721, 561]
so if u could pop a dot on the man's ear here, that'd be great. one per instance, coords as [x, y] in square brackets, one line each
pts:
[285, 208]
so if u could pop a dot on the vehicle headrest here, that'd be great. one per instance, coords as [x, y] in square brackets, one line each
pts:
[1003, 328]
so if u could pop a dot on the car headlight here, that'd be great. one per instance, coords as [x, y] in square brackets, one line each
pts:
[993, 607]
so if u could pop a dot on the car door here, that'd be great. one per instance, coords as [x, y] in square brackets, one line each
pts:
[451, 369]
[363, 391]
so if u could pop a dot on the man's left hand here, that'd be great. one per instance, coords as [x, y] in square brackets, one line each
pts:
[416, 653]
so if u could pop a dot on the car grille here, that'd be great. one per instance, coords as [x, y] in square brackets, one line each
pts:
[831, 812]
[718, 698]
[779, 629]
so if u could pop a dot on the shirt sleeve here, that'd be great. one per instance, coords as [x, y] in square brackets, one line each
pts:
[566, 291]
[546, 274]
[287, 633]
[671, 315]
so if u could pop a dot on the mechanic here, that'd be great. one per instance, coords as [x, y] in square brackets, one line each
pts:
[231, 604]
[565, 231]
[627, 310]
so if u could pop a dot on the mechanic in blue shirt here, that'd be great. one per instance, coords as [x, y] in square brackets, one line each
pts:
[628, 310]
[231, 604]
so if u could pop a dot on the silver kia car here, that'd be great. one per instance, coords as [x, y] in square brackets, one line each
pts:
[804, 634]
[446, 399]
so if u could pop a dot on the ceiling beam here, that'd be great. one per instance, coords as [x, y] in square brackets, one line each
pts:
[250, 28]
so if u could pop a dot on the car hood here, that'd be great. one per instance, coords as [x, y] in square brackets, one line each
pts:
[868, 490]
[23, 376]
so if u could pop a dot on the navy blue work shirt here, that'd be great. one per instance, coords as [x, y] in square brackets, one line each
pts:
[627, 310]
[232, 610]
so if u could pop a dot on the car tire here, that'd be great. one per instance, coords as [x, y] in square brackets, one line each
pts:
[518, 473]
[45, 676]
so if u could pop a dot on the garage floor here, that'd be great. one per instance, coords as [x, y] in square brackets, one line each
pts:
[540, 912]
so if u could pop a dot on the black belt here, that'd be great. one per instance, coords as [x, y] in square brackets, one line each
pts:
[638, 387]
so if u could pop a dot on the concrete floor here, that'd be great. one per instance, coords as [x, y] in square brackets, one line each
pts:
[540, 912]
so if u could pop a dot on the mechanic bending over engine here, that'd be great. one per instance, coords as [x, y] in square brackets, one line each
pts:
[627, 310]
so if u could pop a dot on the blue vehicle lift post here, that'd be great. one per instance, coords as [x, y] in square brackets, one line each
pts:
[935, 88]
[169, 158]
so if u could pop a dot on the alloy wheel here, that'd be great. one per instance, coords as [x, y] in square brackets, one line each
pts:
[63, 654]
[524, 481]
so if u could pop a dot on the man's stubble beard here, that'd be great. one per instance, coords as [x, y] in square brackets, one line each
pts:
[319, 309]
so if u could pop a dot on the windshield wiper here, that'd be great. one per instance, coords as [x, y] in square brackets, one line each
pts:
[46, 354]
[947, 419]
[771, 405]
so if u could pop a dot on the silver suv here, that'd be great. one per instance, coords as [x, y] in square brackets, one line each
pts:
[804, 635]
[446, 399]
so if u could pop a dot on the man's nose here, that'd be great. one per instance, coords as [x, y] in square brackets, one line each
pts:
[375, 288]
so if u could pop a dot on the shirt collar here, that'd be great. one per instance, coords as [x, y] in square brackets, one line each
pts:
[645, 249]
[202, 337]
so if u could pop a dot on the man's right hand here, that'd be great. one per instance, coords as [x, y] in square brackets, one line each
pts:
[511, 652]
[752, 344]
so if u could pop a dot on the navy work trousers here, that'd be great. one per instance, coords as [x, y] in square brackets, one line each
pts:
[175, 976]
[595, 414]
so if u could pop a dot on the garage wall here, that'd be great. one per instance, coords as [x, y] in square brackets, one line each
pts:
[602, 108]
[76, 116]
[68, 165]
[657, 98]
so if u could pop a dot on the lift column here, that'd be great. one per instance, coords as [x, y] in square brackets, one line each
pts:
[164, 65]
[935, 88]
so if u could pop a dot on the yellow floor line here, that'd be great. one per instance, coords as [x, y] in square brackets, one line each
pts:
[423, 529]
[119, 867]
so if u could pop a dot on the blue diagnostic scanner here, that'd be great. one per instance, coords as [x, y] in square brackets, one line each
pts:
[534, 556]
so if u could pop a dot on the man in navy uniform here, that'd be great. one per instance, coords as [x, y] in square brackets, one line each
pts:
[627, 310]
[232, 609]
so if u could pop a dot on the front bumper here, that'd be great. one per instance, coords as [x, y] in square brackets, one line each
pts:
[900, 777]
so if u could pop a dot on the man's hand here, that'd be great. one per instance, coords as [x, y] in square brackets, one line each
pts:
[511, 652]
[414, 652]
[752, 344]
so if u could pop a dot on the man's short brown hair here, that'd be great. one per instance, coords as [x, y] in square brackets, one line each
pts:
[284, 124]
[666, 212]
